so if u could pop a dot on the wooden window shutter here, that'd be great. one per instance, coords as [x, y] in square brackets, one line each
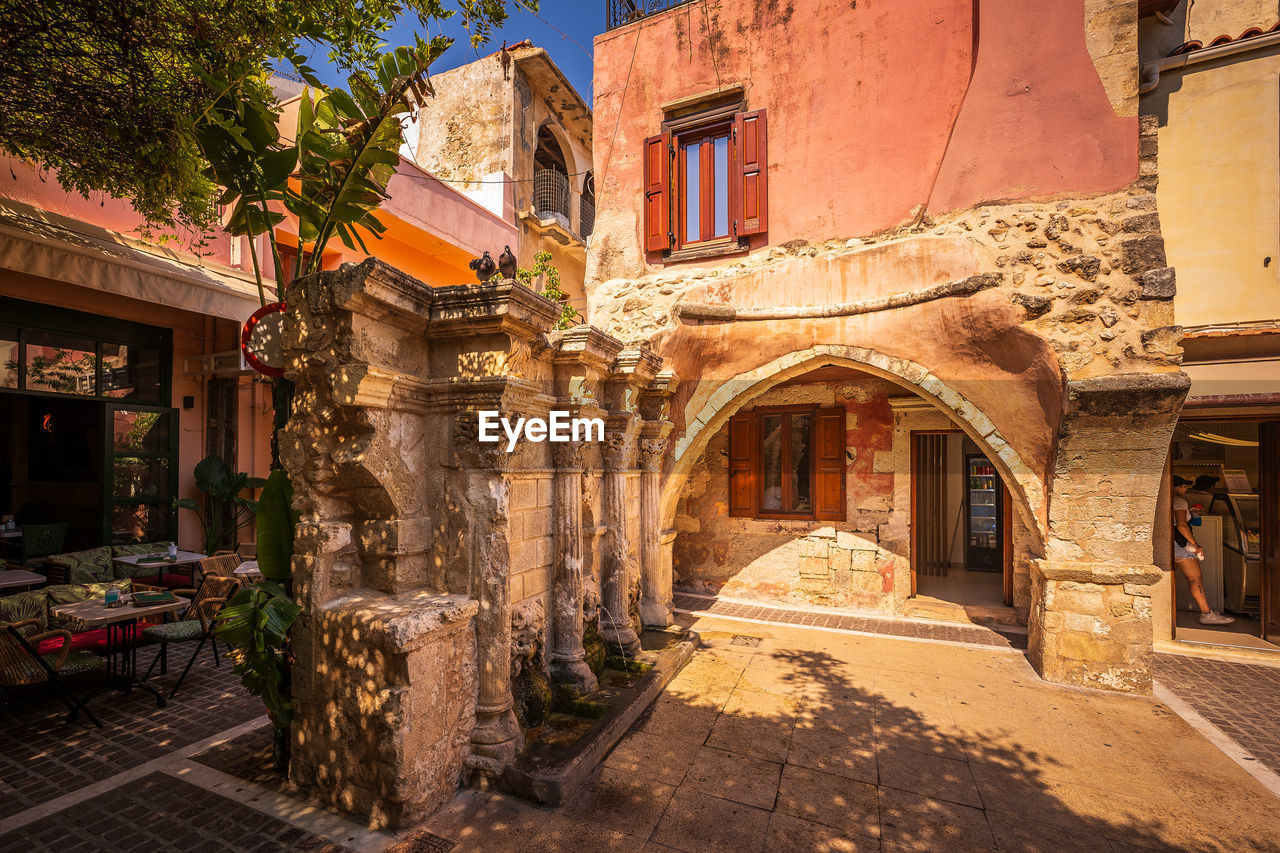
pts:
[752, 172]
[742, 465]
[829, 465]
[657, 193]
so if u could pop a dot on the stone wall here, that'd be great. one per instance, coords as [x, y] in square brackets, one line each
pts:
[1091, 623]
[798, 562]
[433, 568]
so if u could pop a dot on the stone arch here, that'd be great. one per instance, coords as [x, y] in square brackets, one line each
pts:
[1025, 486]
[550, 132]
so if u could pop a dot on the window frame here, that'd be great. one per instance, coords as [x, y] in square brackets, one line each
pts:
[828, 463]
[704, 135]
[786, 412]
[665, 190]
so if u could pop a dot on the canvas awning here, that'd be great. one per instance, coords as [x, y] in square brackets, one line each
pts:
[40, 243]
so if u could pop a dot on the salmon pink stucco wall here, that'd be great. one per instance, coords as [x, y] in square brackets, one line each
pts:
[877, 110]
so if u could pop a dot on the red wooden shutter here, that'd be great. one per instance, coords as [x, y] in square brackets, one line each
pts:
[657, 193]
[828, 479]
[752, 171]
[742, 466]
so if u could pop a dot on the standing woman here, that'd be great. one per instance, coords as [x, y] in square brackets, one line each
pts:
[1187, 554]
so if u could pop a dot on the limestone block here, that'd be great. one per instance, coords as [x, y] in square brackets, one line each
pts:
[852, 542]
[524, 494]
[814, 567]
[840, 560]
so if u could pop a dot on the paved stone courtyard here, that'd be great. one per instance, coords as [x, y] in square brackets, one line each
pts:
[819, 741]
[774, 738]
[1242, 700]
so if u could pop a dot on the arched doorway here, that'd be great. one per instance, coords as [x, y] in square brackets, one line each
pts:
[750, 491]
[551, 193]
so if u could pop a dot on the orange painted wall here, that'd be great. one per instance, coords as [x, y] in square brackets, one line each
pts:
[876, 109]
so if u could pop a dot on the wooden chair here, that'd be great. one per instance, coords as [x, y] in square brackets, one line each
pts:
[21, 665]
[196, 623]
[41, 540]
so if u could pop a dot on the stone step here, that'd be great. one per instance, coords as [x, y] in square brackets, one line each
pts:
[970, 614]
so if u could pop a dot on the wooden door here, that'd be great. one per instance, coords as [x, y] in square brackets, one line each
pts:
[1269, 506]
[929, 551]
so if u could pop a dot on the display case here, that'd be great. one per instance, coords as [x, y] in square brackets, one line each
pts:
[1242, 541]
[983, 549]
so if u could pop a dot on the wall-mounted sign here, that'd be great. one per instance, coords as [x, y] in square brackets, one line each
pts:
[260, 340]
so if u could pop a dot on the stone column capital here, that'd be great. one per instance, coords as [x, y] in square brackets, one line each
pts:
[568, 457]
[620, 433]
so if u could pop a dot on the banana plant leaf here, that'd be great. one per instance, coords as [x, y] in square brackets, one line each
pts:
[276, 522]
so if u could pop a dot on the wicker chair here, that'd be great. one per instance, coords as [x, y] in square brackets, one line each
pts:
[220, 565]
[196, 623]
[20, 665]
[247, 550]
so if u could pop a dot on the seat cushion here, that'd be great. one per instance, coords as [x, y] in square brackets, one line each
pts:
[90, 566]
[77, 663]
[23, 606]
[63, 593]
[174, 632]
[85, 641]
[139, 548]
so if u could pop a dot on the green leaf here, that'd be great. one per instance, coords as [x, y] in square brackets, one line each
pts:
[276, 523]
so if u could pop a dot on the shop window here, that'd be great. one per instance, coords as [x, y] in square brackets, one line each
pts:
[706, 184]
[787, 462]
[10, 366]
[61, 364]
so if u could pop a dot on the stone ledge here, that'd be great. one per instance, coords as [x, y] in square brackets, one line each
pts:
[1099, 573]
[406, 620]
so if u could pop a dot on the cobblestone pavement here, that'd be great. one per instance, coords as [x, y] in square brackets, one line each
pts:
[776, 738]
[918, 629]
[1242, 700]
[43, 758]
[160, 812]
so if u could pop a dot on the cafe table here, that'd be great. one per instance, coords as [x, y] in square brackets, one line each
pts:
[19, 578]
[249, 571]
[148, 561]
[121, 623]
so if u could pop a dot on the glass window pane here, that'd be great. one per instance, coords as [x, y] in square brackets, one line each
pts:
[722, 186]
[144, 432]
[9, 366]
[130, 373]
[771, 461]
[800, 458]
[61, 364]
[139, 523]
[140, 477]
[692, 193]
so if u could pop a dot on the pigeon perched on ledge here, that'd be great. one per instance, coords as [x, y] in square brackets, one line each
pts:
[484, 267]
[507, 263]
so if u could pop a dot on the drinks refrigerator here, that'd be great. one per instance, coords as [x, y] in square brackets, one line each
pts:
[982, 521]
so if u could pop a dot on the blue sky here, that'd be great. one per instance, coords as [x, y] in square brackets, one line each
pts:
[566, 21]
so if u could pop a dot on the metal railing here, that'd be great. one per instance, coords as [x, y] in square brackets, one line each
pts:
[551, 193]
[619, 12]
[586, 218]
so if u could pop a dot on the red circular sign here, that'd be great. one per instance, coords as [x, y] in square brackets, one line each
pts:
[260, 342]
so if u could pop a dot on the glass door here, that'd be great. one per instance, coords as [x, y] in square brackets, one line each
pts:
[982, 541]
[140, 475]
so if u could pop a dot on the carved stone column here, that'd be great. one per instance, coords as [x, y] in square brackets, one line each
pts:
[496, 739]
[615, 622]
[655, 583]
[568, 657]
